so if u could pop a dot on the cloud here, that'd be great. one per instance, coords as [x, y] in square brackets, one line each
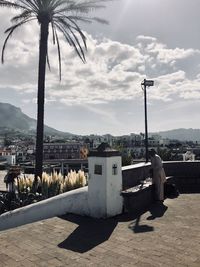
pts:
[113, 70]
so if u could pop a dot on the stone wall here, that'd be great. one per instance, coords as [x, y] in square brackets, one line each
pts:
[186, 172]
[133, 175]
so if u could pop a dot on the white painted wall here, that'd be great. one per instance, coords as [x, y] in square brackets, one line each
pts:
[75, 201]
[114, 200]
[100, 199]
[104, 190]
[11, 159]
[97, 188]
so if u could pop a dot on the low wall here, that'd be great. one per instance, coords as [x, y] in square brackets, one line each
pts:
[186, 175]
[189, 169]
[184, 172]
[75, 201]
[133, 175]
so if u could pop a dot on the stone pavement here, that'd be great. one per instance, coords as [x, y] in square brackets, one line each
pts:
[167, 235]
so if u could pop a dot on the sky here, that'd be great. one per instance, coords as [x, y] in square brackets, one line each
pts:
[152, 39]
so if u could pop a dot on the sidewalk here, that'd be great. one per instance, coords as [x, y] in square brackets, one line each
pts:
[166, 235]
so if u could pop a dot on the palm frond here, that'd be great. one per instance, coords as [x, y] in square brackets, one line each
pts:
[85, 6]
[9, 4]
[78, 29]
[60, 29]
[53, 31]
[57, 3]
[78, 7]
[30, 5]
[80, 18]
[59, 54]
[78, 43]
[10, 31]
[102, 21]
[69, 39]
[22, 16]
[66, 29]
[48, 62]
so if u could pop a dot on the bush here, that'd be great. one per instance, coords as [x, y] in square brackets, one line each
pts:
[53, 184]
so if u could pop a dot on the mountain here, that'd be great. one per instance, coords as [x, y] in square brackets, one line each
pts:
[12, 119]
[181, 134]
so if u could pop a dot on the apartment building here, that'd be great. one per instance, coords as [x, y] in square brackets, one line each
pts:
[8, 155]
[63, 150]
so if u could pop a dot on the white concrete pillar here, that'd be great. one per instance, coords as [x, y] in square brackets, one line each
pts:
[105, 182]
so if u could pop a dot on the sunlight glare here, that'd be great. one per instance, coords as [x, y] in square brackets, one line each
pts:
[124, 10]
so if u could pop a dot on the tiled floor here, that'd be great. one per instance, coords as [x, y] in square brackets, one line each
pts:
[167, 235]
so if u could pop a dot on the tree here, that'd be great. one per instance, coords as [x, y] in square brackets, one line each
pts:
[165, 154]
[61, 15]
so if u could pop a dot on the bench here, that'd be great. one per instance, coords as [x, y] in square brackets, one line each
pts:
[139, 198]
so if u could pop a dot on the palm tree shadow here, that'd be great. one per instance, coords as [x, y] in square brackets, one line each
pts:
[157, 210]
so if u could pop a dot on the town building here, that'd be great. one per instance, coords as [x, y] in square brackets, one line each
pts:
[8, 155]
[68, 150]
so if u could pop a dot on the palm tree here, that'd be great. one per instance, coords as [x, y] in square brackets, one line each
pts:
[61, 15]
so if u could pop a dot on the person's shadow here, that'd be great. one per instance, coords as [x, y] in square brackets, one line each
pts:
[137, 228]
[157, 210]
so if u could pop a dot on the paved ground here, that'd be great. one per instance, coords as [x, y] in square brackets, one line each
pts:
[165, 236]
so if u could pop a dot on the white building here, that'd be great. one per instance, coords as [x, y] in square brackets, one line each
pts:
[8, 155]
[164, 142]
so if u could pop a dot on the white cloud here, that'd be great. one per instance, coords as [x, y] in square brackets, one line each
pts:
[113, 70]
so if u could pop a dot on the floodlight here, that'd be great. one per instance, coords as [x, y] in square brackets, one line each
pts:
[147, 83]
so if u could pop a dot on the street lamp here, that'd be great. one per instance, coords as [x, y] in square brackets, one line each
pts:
[144, 85]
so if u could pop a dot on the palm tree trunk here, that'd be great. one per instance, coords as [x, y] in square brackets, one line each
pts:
[41, 98]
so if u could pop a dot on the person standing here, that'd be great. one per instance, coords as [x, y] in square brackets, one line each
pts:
[158, 175]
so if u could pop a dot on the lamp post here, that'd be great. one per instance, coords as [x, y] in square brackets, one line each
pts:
[145, 84]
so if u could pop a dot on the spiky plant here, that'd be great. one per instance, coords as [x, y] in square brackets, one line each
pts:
[63, 16]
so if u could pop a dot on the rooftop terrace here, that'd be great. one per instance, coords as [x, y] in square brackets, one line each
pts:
[166, 235]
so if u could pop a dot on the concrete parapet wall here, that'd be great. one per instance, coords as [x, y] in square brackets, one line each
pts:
[183, 171]
[133, 175]
[187, 169]
[75, 201]
[186, 176]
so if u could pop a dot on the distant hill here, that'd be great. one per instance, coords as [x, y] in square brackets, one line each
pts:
[12, 119]
[182, 134]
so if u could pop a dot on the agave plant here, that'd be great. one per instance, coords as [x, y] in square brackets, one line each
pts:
[62, 16]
